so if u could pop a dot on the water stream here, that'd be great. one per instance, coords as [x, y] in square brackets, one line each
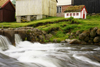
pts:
[27, 54]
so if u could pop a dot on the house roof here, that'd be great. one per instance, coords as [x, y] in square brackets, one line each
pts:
[3, 2]
[74, 8]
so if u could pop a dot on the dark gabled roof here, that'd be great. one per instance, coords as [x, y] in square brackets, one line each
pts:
[75, 8]
[2, 2]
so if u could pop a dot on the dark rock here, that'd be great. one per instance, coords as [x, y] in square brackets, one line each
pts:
[75, 41]
[84, 34]
[95, 29]
[22, 33]
[1, 32]
[41, 38]
[78, 32]
[96, 39]
[93, 33]
[48, 36]
[98, 31]
[10, 34]
[86, 39]
[55, 40]
[64, 42]
[70, 37]
[83, 43]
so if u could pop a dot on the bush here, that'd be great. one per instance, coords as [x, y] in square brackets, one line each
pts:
[71, 18]
[69, 28]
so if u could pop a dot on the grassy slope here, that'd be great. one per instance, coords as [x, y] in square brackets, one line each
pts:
[64, 27]
[15, 24]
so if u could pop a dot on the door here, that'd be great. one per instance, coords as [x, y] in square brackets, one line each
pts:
[83, 14]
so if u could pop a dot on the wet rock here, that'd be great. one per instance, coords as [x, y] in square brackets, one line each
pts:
[55, 40]
[75, 41]
[10, 34]
[96, 39]
[68, 40]
[64, 42]
[1, 32]
[83, 43]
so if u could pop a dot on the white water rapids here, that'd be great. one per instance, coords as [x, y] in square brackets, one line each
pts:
[50, 55]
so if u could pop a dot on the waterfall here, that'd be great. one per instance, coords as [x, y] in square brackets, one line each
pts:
[4, 42]
[17, 39]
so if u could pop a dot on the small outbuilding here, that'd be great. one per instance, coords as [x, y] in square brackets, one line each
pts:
[78, 11]
[7, 11]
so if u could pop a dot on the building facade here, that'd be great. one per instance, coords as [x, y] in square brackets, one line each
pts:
[28, 10]
[61, 7]
[76, 12]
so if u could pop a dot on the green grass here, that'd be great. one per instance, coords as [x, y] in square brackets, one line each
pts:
[64, 26]
[31, 23]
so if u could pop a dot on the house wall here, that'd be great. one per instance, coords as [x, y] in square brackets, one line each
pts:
[76, 16]
[63, 8]
[37, 8]
[82, 13]
[28, 7]
[63, 2]
[8, 13]
[1, 16]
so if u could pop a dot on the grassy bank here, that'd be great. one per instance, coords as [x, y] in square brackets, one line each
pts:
[59, 26]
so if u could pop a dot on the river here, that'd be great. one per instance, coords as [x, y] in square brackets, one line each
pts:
[27, 54]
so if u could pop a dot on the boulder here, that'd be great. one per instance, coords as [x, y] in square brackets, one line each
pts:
[98, 32]
[48, 36]
[84, 34]
[64, 41]
[83, 43]
[95, 29]
[68, 40]
[96, 39]
[86, 39]
[75, 41]
[93, 33]
[78, 32]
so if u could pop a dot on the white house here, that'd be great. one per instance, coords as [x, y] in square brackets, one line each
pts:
[76, 11]
[28, 10]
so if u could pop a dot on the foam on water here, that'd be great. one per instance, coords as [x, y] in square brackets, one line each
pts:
[85, 59]
[49, 55]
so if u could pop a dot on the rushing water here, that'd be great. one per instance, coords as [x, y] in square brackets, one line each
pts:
[50, 55]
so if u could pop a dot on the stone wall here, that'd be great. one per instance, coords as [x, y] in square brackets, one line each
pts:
[91, 36]
[27, 33]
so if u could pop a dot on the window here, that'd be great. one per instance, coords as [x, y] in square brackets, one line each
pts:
[67, 14]
[73, 14]
[70, 14]
[58, 9]
[77, 14]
